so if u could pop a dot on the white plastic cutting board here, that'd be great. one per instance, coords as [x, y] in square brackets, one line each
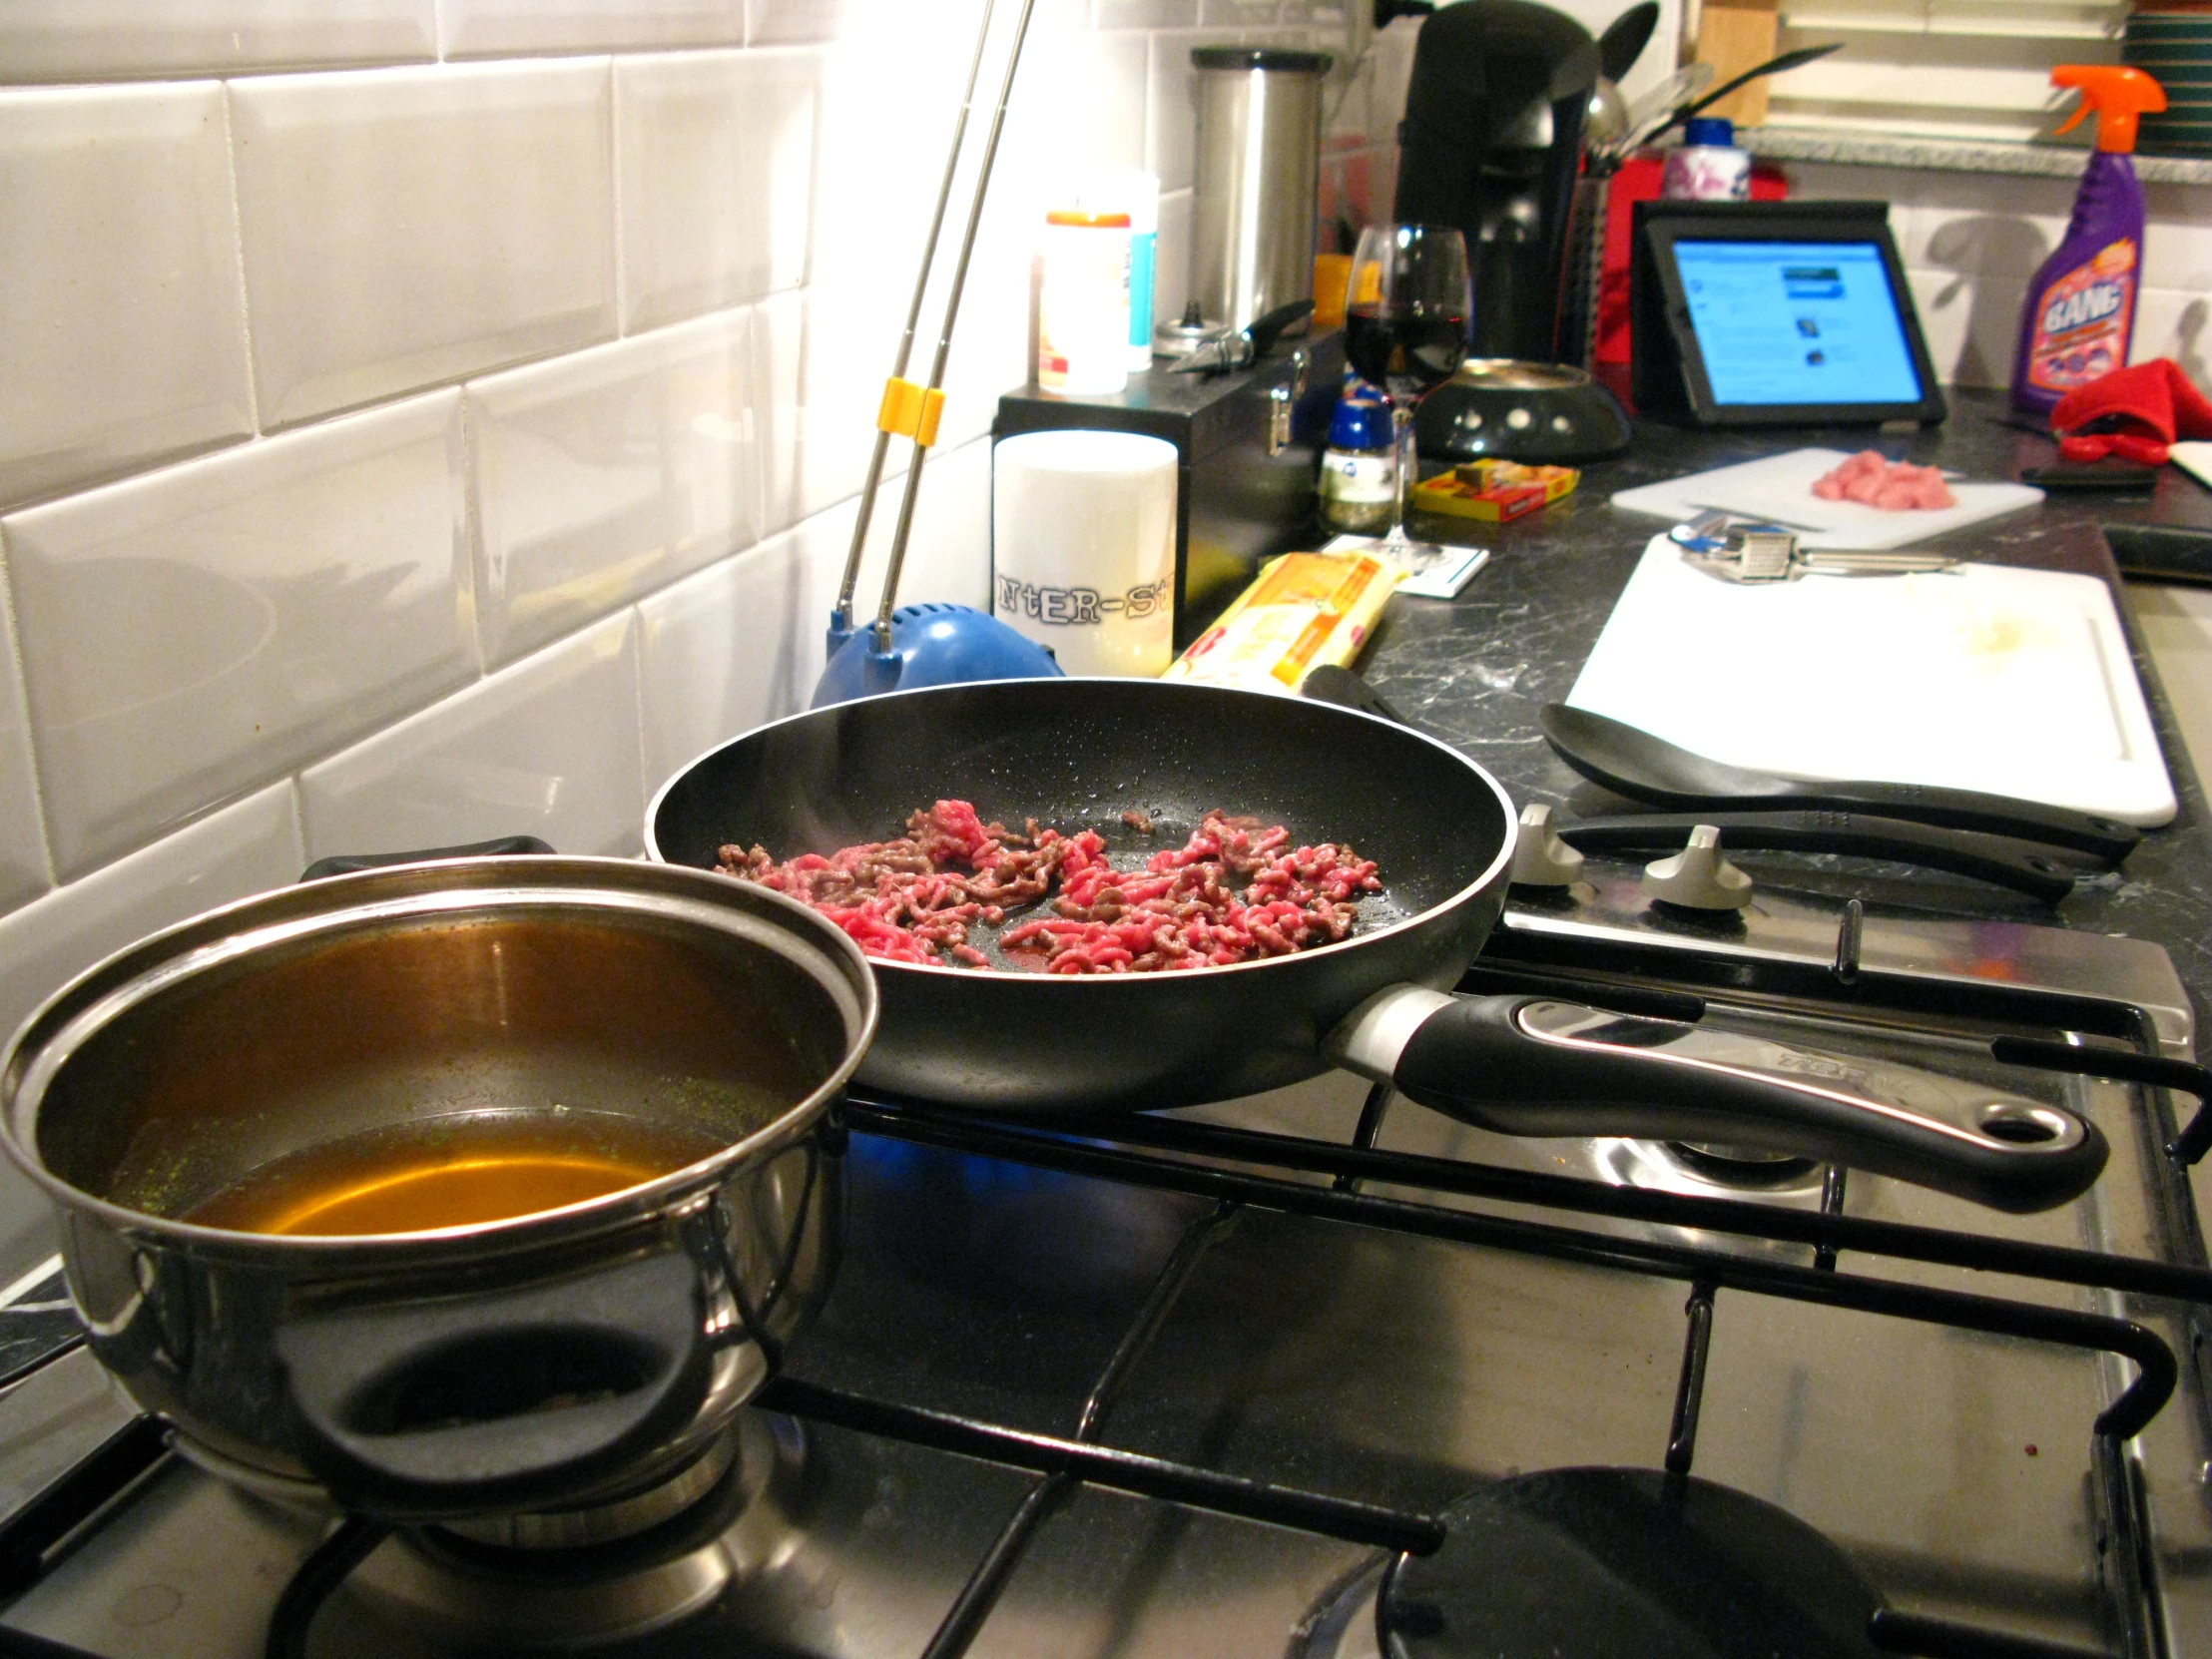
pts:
[2012, 682]
[1780, 488]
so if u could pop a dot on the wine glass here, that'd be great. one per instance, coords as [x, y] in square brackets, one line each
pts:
[1407, 308]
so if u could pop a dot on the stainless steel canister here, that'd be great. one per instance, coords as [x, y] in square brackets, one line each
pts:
[1258, 171]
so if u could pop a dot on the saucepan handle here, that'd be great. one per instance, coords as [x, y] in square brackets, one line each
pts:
[346, 864]
[497, 1400]
[1524, 1065]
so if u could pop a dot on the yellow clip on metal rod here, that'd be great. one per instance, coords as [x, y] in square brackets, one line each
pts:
[910, 410]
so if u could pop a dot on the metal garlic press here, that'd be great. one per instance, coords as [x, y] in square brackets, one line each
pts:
[1735, 550]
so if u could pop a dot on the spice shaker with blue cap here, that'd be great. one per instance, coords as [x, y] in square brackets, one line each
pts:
[1359, 469]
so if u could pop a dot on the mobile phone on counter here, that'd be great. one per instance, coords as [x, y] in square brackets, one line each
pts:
[2095, 478]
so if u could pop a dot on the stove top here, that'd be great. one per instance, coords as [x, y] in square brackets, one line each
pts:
[1250, 1380]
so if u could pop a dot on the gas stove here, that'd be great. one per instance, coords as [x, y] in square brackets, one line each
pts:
[1323, 1374]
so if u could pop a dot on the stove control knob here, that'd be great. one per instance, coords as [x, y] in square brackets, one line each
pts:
[1540, 858]
[1698, 878]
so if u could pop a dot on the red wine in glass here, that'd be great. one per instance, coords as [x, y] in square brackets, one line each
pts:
[1418, 344]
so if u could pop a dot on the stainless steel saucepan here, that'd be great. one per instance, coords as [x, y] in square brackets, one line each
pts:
[265, 1128]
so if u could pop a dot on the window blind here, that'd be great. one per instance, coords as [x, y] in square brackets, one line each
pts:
[1972, 70]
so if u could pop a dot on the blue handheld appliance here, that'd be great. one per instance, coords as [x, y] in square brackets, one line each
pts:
[911, 646]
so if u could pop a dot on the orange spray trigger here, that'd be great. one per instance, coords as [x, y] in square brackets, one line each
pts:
[2118, 93]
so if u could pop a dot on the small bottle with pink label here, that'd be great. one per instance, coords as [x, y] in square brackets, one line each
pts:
[1707, 166]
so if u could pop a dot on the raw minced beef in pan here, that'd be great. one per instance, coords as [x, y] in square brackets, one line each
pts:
[1236, 892]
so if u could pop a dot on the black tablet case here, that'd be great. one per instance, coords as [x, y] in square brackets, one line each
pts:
[1659, 384]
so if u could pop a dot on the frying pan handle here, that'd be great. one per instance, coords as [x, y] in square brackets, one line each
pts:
[1525, 1065]
[505, 1400]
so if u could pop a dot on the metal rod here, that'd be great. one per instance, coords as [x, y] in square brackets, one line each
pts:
[982, 1592]
[1689, 1394]
[1369, 1131]
[110, 1470]
[1831, 1204]
[21, 1644]
[1927, 1638]
[1850, 935]
[851, 579]
[2136, 1406]
[2123, 1548]
[1121, 1471]
[322, 1572]
[1166, 1289]
[944, 332]
[1899, 1240]
[2180, 1077]
[2190, 1146]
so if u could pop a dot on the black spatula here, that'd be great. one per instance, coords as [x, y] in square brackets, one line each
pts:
[1633, 763]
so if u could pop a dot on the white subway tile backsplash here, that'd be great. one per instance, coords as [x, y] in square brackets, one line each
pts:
[990, 343]
[1171, 270]
[196, 631]
[949, 556]
[2170, 323]
[603, 476]
[1079, 106]
[1242, 14]
[24, 870]
[247, 848]
[408, 226]
[819, 366]
[782, 22]
[774, 23]
[1143, 14]
[730, 649]
[547, 748]
[716, 151]
[482, 28]
[742, 644]
[2177, 243]
[122, 324]
[1970, 325]
[97, 40]
[873, 193]
[1391, 54]
[2007, 226]
[1171, 107]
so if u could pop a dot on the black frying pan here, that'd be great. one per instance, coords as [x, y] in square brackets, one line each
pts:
[1077, 754]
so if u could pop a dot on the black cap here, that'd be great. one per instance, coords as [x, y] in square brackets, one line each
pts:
[1260, 57]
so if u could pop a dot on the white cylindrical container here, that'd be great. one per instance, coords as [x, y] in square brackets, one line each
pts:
[1083, 547]
[1083, 304]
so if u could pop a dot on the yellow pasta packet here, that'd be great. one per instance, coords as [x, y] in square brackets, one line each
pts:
[1302, 610]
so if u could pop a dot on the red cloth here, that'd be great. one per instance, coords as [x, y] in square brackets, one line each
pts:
[2139, 412]
[1638, 181]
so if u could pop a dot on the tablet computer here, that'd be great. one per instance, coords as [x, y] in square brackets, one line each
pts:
[1771, 313]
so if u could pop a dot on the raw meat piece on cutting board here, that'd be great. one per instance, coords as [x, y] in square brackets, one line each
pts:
[1873, 480]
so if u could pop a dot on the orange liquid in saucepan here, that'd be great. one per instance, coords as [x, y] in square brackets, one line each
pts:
[451, 1172]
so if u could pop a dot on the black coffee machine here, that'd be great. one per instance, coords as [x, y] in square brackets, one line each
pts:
[1492, 143]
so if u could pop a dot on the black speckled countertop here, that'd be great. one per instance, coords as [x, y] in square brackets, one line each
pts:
[1476, 669]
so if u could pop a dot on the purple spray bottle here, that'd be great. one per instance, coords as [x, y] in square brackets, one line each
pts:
[2080, 319]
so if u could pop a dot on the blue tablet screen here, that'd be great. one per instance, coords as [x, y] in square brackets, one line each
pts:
[1796, 322]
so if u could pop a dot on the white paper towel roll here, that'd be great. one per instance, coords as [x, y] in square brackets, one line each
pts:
[1083, 547]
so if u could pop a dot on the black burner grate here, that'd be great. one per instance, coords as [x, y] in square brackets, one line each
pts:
[1239, 1169]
